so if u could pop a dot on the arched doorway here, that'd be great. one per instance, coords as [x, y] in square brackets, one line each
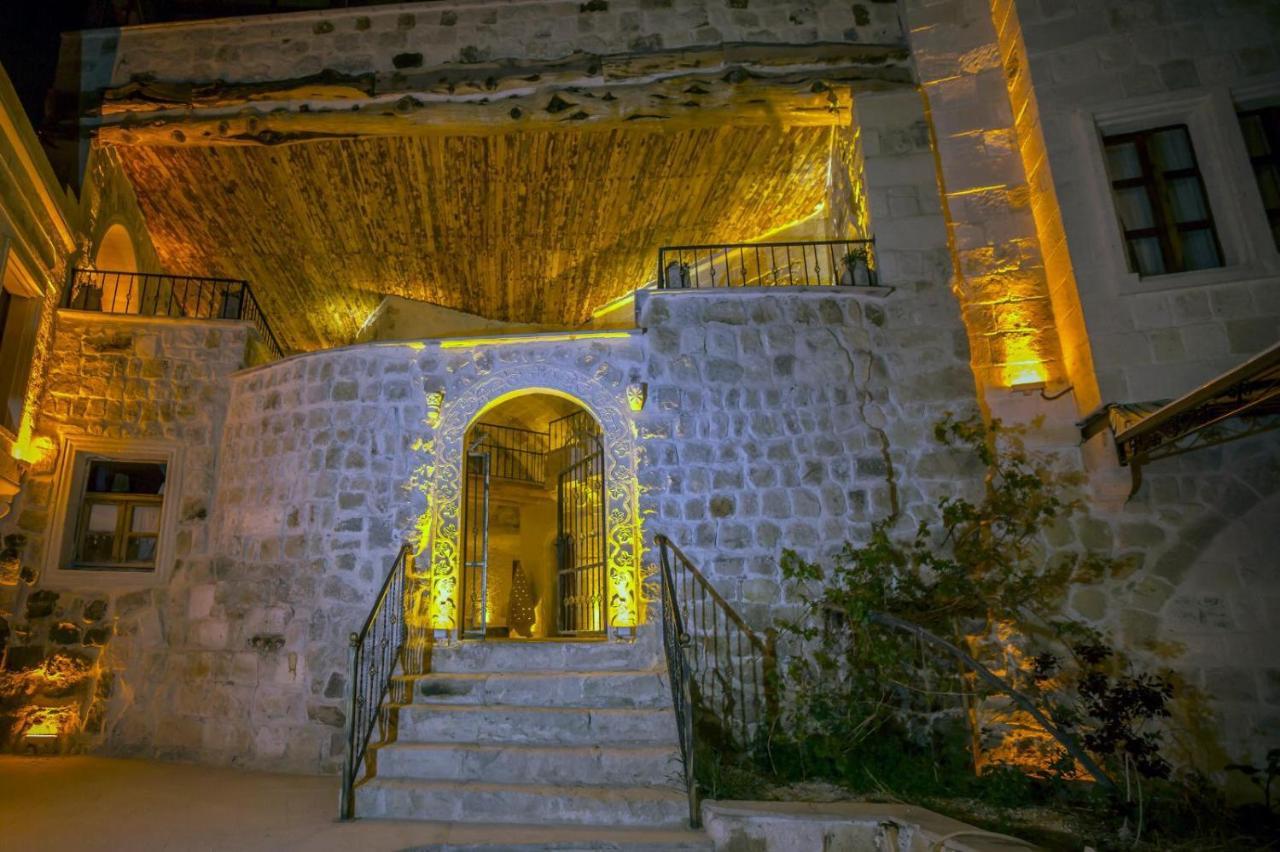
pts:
[115, 251]
[533, 534]
[463, 401]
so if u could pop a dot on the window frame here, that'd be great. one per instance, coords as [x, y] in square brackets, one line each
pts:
[1155, 181]
[126, 503]
[67, 520]
[1248, 251]
[1264, 111]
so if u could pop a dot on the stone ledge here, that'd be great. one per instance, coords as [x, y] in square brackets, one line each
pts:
[122, 319]
[787, 826]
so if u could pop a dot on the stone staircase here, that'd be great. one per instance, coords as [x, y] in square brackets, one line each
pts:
[536, 733]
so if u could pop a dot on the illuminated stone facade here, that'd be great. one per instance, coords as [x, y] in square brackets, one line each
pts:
[770, 418]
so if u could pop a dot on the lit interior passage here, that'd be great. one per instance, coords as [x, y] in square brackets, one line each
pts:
[533, 527]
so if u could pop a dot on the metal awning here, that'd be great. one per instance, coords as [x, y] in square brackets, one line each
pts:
[1243, 401]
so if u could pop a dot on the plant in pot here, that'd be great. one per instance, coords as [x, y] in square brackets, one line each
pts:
[857, 271]
[677, 274]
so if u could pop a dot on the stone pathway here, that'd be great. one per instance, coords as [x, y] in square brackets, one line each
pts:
[92, 803]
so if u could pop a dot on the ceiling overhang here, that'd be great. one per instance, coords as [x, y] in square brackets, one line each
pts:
[740, 84]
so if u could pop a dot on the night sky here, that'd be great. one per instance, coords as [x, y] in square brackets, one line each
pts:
[29, 31]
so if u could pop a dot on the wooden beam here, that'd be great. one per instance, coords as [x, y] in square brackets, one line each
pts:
[808, 85]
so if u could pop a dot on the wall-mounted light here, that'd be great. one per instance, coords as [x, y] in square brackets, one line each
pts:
[1027, 387]
[637, 393]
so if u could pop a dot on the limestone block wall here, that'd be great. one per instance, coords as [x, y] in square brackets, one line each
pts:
[396, 39]
[93, 644]
[795, 419]
[1199, 595]
[1100, 67]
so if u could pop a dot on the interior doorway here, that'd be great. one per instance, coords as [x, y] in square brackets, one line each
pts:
[534, 522]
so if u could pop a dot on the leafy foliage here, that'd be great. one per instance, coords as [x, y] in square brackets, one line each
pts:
[977, 578]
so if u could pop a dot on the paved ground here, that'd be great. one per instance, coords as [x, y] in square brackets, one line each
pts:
[92, 803]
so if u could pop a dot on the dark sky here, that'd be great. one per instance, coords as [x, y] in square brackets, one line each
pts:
[29, 31]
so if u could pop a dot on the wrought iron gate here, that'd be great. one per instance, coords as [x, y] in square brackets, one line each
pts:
[580, 546]
[475, 544]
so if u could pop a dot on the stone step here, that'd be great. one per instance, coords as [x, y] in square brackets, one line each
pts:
[604, 765]
[468, 801]
[542, 656]
[560, 689]
[499, 724]
[517, 837]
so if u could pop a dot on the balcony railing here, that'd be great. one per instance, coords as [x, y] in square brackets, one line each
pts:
[180, 296]
[820, 263]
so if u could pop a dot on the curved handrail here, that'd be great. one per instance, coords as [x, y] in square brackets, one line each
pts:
[372, 658]
[721, 671]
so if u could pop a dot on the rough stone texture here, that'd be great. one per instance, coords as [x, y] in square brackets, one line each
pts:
[1207, 598]
[123, 377]
[810, 414]
[368, 40]
[1002, 281]
[1159, 337]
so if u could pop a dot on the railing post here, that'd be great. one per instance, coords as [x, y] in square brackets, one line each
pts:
[347, 804]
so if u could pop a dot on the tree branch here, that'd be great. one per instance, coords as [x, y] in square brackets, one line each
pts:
[1001, 685]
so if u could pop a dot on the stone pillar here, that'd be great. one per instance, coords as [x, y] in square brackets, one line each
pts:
[1015, 286]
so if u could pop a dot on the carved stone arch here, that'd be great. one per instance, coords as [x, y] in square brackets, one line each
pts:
[609, 407]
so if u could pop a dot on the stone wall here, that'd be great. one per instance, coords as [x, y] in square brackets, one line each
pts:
[397, 39]
[91, 642]
[1100, 67]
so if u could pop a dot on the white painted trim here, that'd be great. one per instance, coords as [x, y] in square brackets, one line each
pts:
[54, 575]
[1239, 217]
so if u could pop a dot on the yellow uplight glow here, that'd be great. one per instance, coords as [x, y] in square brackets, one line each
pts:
[29, 448]
[613, 304]
[533, 338]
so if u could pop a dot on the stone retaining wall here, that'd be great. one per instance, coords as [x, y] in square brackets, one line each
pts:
[100, 646]
[391, 40]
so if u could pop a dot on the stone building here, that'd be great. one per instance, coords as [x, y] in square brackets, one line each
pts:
[532, 282]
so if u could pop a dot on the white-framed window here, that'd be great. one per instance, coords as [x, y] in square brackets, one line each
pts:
[20, 305]
[1260, 126]
[1171, 183]
[1161, 201]
[115, 513]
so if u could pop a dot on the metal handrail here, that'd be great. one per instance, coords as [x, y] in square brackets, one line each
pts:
[372, 658]
[812, 263]
[178, 296]
[723, 674]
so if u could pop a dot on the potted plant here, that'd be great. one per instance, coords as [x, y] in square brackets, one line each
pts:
[857, 271]
[677, 275]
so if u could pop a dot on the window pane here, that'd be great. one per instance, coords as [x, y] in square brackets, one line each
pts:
[1135, 209]
[102, 517]
[1255, 135]
[98, 547]
[1123, 162]
[141, 549]
[1187, 200]
[1147, 256]
[1171, 149]
[107, 477]
[145, 519]
[1199, 250]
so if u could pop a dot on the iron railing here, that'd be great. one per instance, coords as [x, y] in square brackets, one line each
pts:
[577, 432]
[373, 656]
[723, 674]
[516, 454]
[819, 263]
[180, 296]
